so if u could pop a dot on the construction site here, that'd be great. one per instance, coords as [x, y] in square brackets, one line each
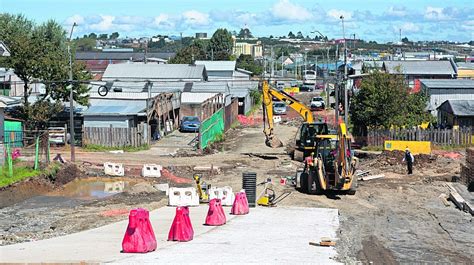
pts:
[383, 217]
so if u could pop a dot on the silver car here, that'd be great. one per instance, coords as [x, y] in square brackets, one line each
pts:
[279, 108]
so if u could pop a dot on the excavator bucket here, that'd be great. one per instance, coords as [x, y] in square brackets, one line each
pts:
[273, 142]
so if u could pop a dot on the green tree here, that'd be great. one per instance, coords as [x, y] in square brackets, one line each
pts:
[246, 62]
[245, 33]
[188, 55]
[114, 36]
[291, 35]
[221, 45]
[84, 44]
[299, 35]
[103, 36]
[384, 101]
[93, 36]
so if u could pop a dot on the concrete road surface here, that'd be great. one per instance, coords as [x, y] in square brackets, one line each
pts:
[266, 235]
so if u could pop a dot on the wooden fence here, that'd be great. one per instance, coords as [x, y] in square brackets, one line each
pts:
[436, 136]
[115, 137]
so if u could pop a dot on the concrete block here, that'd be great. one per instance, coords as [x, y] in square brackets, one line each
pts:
[114, 169]
[276, 119]
[225, 194]
[151, 170]
[182, 197]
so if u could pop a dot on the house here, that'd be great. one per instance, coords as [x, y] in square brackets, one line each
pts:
[4, 51]
[465, 70]
[97, 62]
[415, 70]
[441, 90]
[224, 70]
[202, 105]
[255, 50]
[456, 113]
[155, 72]
[285, 60]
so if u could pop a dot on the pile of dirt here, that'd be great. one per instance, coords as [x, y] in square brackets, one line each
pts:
[66, 174]
[390, 158]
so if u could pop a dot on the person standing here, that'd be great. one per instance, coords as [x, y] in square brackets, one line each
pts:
[409, 159]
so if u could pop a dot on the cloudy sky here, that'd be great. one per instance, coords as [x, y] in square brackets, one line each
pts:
[369, 19]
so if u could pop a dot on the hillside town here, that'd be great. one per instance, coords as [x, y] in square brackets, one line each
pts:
[236, 143]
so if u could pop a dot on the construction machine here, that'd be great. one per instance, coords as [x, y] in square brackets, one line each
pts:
[268, 197]
[329, 161]
[305, 142]
[330, 167]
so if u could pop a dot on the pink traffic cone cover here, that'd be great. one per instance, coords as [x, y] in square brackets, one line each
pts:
[181, 229]
[139, 237]
[215, 214]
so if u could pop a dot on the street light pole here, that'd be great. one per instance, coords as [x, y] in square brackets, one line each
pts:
[71, 98]
[346, 101]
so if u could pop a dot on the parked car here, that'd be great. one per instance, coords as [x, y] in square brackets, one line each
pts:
[307, 87]
[57, 135]
[280, 86]
[189, 124]
[279, 108]
[317, 103]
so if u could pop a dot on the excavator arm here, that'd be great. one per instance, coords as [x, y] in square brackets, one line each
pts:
[268, 95]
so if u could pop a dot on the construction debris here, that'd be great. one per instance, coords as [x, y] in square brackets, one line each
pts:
[458, 200]
[444, 198]
[364, 178]
[467, 170]
[325, 242]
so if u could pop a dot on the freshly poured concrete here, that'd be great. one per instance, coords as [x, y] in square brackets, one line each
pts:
[266, 235]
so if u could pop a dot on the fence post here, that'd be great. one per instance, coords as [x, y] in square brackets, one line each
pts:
[37, 153]
[111, 135]
[9, 161]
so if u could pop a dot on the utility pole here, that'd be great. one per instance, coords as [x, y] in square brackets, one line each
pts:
[346, 100]
[272, 73]
[326, 84]
[336, 85]
[71, 98]
[282, 64]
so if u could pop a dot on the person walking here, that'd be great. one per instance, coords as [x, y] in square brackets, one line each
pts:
[409, 159]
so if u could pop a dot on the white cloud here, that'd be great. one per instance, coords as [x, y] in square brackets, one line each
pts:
[105, 24]
[468, 25]
[78, 19]
[196, 18]
[397, 11]
[436, 13]
[164, 21]
[286, 10]
[335, 14]
[407, 27]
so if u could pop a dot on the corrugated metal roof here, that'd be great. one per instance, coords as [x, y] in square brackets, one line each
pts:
[134, 56]
[141, 71]
[460, 107]
[448, 83]
[420, 67]
[195, 98]
[108, 107]
[218, 65]
[469, 66]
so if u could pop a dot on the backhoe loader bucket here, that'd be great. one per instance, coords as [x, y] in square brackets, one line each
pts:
[273, 142]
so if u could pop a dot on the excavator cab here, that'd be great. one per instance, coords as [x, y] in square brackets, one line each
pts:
[307, 138]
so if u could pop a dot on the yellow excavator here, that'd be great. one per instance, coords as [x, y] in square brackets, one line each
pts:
[328, 159]
[305, 142]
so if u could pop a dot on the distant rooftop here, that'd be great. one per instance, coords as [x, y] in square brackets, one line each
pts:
[218, 65]
[141, 71]
[460, 107]
[134, 56]
[419, 67]
[448, 83]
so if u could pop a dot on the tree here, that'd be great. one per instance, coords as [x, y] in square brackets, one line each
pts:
[188, 55]
[247, 62]
[39, 52]
[93, 36]
[245, 33]
[384, 101]
[299, 35]
[405, 40]
[221, 45]
[291, 35]
[103, 36]
[84, 44]
[114, 36]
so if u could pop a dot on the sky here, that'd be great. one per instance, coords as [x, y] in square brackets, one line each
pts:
[377, 20]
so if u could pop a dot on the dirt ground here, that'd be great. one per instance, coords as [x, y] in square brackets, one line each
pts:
[395, 219]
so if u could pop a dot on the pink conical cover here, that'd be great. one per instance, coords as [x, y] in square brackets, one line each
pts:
[181, 229]
[139, 237]
[215, 214]
[240, 205]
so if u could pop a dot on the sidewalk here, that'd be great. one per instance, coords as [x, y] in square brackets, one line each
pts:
[265, 235]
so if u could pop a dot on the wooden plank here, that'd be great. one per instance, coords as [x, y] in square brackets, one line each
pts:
[455, 197]
[364, 178]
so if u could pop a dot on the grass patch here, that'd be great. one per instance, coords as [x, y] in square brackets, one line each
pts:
[101, 148]
[253, 110]
[372, 148]
[449, 147]
[19, 174]
[235, 124]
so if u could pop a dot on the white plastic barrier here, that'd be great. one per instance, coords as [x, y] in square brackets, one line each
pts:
[183, 197]
[151, 170]
[114, 187]
[276, 119]
[225, 194]
[114, 169]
